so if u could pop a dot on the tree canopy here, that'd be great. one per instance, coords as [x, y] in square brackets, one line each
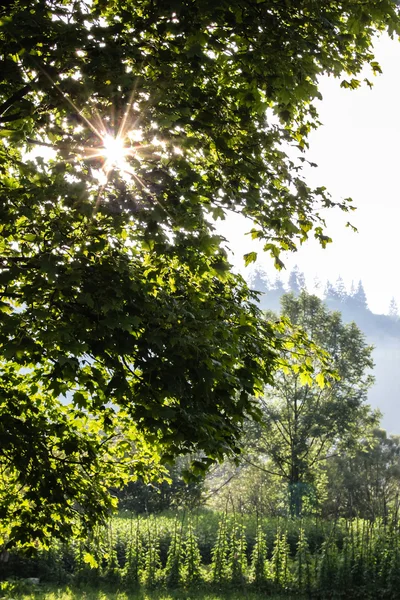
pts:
[116, 292]
[304, 424]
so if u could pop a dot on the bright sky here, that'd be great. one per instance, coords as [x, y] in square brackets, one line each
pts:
[357, 155]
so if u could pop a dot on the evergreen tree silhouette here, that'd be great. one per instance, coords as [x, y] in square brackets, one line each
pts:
[340, 289]
[259, 281]
[297, 281]
[360, 297]
[330, 293]
[393, 309]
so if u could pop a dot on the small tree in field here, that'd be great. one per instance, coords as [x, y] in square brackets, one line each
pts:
[305, 424]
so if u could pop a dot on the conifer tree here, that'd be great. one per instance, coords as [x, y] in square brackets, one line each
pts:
[297, 281]
[293, 282]
[360, 298]
[330, 294]
[341, 291]
[393, 310]
[259, 281]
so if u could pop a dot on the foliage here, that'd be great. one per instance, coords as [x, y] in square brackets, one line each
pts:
[115, 292]
[173, 567]
[191, 556]
[158, 496]
[353, 559]
[26, 592]
[134, 558]
[152, 561]
[258, 573]
[219, 564]
[237, 558]
[366, 482]
[303, 564]
[304, 424]
[280, 573]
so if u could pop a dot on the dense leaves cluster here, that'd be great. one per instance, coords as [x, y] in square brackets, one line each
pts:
[117, 294]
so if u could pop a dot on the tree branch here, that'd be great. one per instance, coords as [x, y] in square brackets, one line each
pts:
[13, 99]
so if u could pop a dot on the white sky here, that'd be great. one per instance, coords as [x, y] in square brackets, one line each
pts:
[357, 154]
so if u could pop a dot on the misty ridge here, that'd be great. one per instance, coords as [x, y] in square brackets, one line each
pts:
[380, 330]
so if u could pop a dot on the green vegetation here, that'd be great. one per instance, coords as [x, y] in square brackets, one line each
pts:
[116, 293]
[303, 425]
[131, 353]
[69, 593]
[291, 557]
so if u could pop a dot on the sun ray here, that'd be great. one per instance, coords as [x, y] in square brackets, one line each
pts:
[113, 149]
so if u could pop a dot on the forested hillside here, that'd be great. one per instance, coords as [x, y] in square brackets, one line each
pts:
[383, 331]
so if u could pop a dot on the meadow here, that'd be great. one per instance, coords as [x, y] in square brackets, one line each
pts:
[214, 555]
[21, 592]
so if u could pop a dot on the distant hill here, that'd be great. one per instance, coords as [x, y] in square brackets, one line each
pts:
[382, 331]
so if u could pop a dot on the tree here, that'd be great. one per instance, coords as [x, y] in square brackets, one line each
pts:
[154, 497]
[331, 295]
[259, 281]
[271, 300]
[393, 310]
[303, 424]
[341, 289]
[115, 291]
[366, 483]
[296, 281]
[359, 298]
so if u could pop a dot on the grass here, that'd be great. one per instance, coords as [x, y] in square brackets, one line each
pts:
[18, 591]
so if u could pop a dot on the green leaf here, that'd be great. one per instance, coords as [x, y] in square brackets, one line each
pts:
[249, 258]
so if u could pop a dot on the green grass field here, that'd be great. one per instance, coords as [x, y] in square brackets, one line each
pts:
[24, 592]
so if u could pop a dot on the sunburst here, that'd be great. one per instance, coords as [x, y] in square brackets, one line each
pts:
[115, 153]
[114, 147]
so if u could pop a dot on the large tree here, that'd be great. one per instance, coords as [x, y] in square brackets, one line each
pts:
[115, 291]
[303, 424]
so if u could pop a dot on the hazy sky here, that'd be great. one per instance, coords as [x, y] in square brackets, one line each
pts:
[357, 154]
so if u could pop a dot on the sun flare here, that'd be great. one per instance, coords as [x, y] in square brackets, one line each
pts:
[115, 152]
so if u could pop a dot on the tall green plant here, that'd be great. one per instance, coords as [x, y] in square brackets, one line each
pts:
[134, 559]
[192, 556]
[220, 552]
[152, 561]
[112, 572]
[237, 559]
[173, 567]
[303, 565]
[258, 563]
[328, 566]
[280, 572]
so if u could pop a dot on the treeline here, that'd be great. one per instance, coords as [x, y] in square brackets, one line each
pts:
[351, 559]
[336, 295]
[360, 482]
